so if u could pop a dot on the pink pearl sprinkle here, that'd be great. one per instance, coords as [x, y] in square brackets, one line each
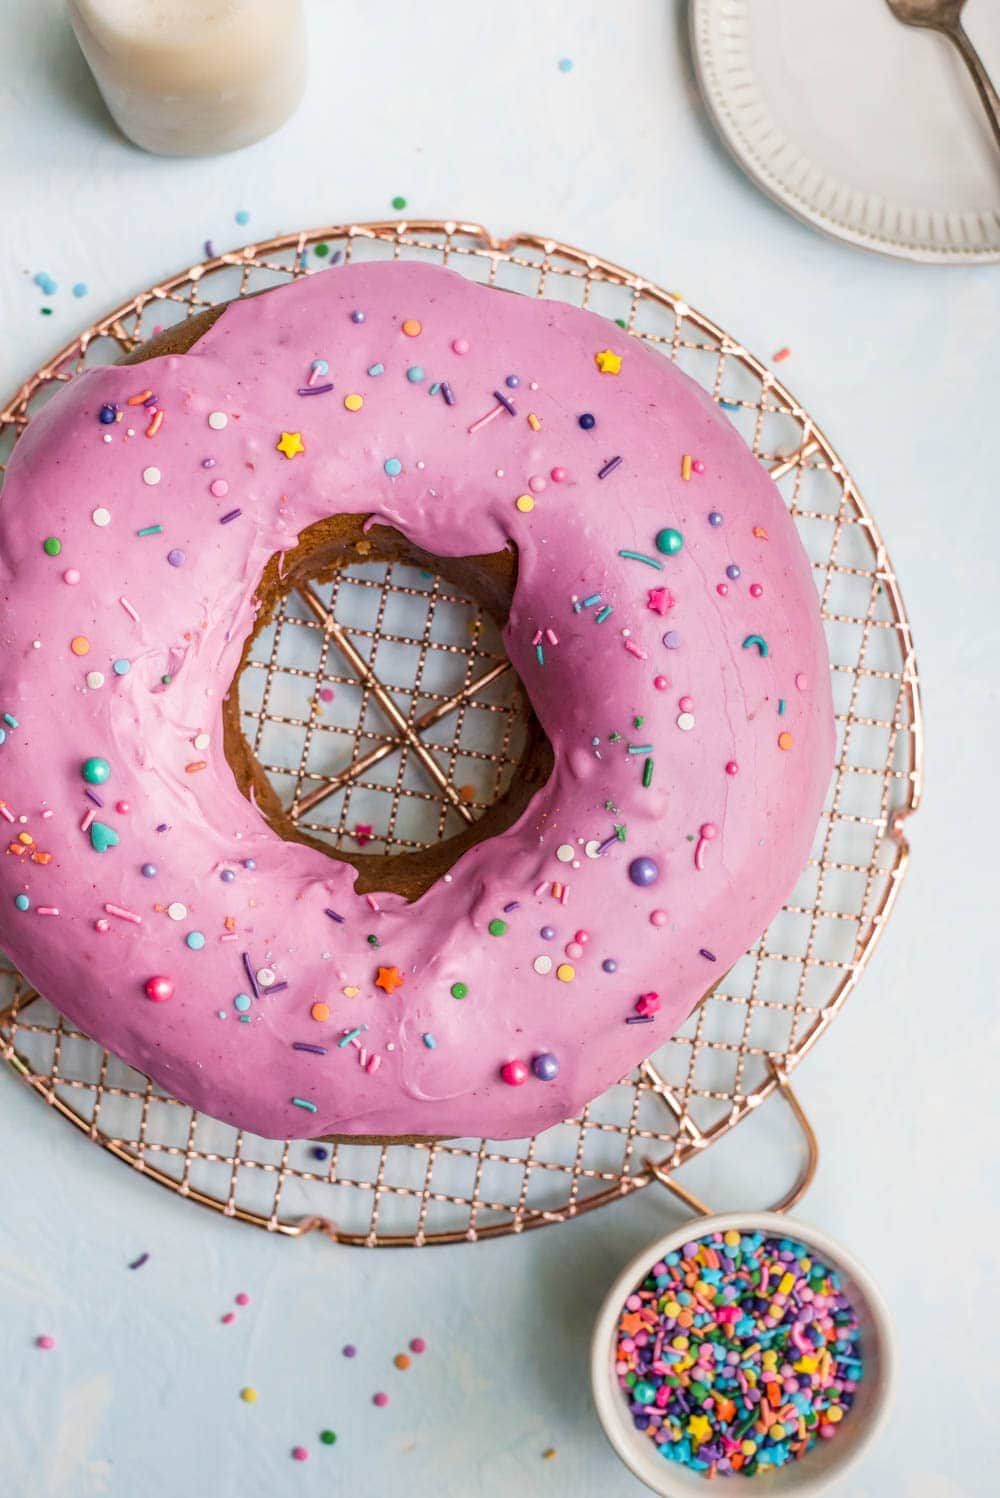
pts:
[686, 704]
[536, 483]
[460, 346]
[698, 466]
[71, 576]
[633, 1303]
[658, 918]
[557, 475]
[229, 1318]
[582, 937]
[708, 831]
[574, 949]
[722, 589]
[732, 768]
[417, 1344]
[326, 694]
[123, 808]
[219, 487]
[381, 1400]
[102, 925]
[756, 591]
[243, 1298]
[46, 1343]
[801, 680]
[660, 683]
[300, 1453]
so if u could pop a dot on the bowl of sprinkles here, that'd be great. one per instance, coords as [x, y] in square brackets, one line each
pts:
[742, 1346]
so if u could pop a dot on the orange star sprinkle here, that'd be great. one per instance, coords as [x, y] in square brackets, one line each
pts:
[389, 979]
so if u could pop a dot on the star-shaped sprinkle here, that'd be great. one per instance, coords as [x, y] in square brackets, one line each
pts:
[291, 444]
[700, 1427]
[362, 834]
[660, 600]
[389, 979]
[608, 362]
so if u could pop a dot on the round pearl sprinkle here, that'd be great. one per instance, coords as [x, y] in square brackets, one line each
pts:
[300, 1454]
[582, 937]
[557, 475]
[349, 1350]
[658, 918]
[320, 1152]
[460, 345]
[545, 1066]
[357, 316]
[736, 1353]
[732, 768]
[715, 517]
[159, 989]
[71, 576]
[722, 589]
[514, 1073]
[328, 1437]
[586, 421]
[512, 381]
[392, 467]
[401, 1361]
[151, 475]
[248, 1396]
[242, 1299]
[46, 1343]
[415, 374]
[609, 965]
[418, 1345]
[685, 722]
[381, 1400]
[536, 484]
[574, 950]
[644, 872]
[547, 933]
[660, 683]
[686, 704]
[101, 517]
[698, 466]
[756, 591]
[733, 572]
[669, 541]
[149, 871]
[22, 902]
[801, 681]
[107, 415]
[95, 771]
[459, 990]
[218, 420]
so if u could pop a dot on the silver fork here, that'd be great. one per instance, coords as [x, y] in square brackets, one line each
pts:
[946, 16]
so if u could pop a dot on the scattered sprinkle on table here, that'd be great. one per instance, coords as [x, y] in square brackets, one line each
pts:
[242, 216]
[737, 1352]
[399, 203]
[46, 1343]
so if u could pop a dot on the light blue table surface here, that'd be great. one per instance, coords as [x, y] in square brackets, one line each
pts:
[463, 109]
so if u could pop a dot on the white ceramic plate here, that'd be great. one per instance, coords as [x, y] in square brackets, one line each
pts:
[866, 128]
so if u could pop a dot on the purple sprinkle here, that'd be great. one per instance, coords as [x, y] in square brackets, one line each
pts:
[514, 905]
[208, 462]
[334, 916]
[709, 956]
[336, 257]
[225, 519]
[276, 988]
[507, 405]
[639, 1019]
[209, 251]
[448, 393]
[150, 400]
[609, 467]
[93, 796]
[250, 974]
[177, 558]
[303, 1045]
[163, 827]
[138, 1263]
[350, 1351]
[314, 389]
[607, 843]
[672, 639]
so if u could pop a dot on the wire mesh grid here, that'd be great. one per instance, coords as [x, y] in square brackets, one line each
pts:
[384, 713]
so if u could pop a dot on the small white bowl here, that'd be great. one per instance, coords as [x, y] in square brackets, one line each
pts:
[828, 1460]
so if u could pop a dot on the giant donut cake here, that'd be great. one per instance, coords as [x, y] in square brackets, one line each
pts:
[664, 623]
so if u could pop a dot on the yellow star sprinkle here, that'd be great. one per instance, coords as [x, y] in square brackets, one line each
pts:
[700, 1427]
[608, 362]
[291, 443]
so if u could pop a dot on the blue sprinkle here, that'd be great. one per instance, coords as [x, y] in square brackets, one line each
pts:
[242, 1002]
[45, 283]
[320, 366]
[242, 216]
[195, 940]
[22, 902]
[376, 369]
[80, 289]
[429, 1042]
[392, 466]
[414, 374]
[10, 720]
[122, 667]
[565, 64]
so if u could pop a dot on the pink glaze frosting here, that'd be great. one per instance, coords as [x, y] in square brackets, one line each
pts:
[715, 685]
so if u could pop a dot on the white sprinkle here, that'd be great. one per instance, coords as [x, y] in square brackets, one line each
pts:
[176, 911]
[129, 609]
[542, 965]
[101, 516]
[151, 475]
[564, 853]
[265, 977]
[593, 848]
[217, 420]
[686, 722]
[202, 740]
[95, 679]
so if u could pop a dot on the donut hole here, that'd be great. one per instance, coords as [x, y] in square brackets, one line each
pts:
[375, 715]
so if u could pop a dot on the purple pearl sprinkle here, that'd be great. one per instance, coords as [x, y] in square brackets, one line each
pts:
[672, 639]
[227, 876]
[547, 933]
[609, 965]
[208, 462]
[350, 1351]
[715, 517]
[733, 572]
[177, 558]
[249, 863]
[644, 871]
[512, 382]
[357, 315]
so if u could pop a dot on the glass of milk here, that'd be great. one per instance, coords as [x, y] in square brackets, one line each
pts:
[195, 77]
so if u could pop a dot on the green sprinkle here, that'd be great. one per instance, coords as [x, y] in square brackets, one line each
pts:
[150, 530]
[459, 990]
[346, 1039]
[45, 311]
[640, 748]
[301, 1102]
[647, 773]
[781, 707]
[605, 612]
[372, 940]
[638, 722]
[321, 250]
[497, 927]
[52, 546]
[399, 203]
[638, 556]
[328, 1437]
[620, 322]
[621, 833]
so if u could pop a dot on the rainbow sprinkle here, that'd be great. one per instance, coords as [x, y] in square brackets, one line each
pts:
[738, 1353]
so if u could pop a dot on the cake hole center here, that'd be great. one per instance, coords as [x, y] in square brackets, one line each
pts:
[379, 717]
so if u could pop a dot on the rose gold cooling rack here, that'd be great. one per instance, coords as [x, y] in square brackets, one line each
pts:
[383, 710]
